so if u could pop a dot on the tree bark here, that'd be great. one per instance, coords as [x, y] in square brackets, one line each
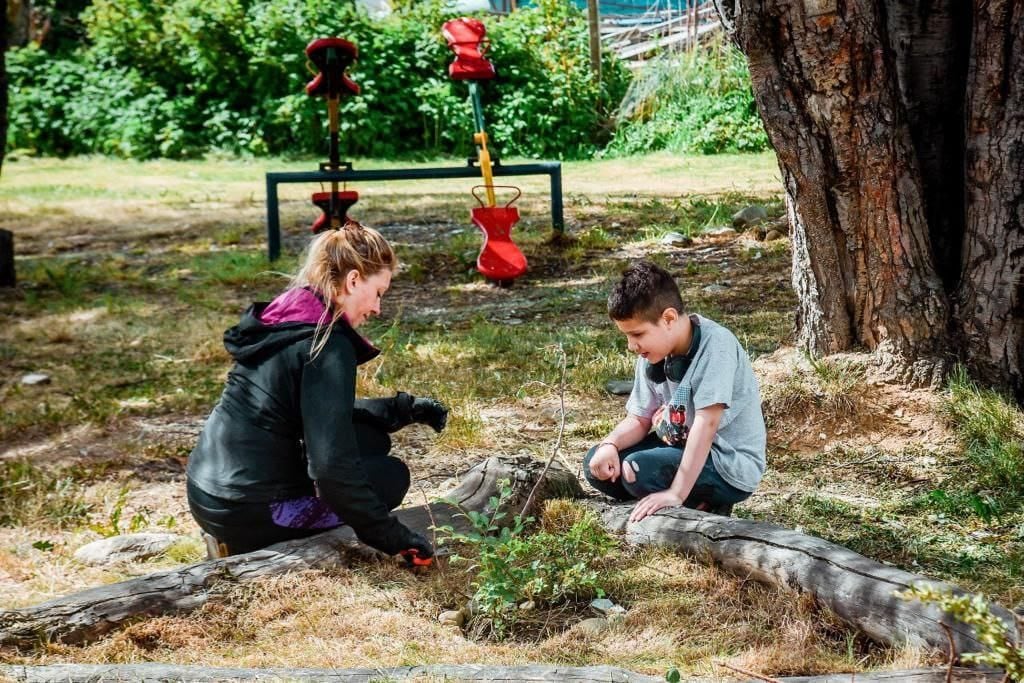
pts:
[7, 275]
[94, 673]
[858, 590]
[990, 305]
[3, 87]
[85, 616]
[931, 42]
[825, 82]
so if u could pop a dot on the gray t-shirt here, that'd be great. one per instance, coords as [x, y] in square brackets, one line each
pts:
[720, 373]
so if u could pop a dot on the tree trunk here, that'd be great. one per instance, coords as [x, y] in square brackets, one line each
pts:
[826, 86]
[87, 615]
[931, 42]
[3, 87]
[990, 304]
[7, 275]
[858, 590]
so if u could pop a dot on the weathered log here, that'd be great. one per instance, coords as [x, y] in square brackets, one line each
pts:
[151, 673]
[936, 675]
[860, 591]
[84, 616]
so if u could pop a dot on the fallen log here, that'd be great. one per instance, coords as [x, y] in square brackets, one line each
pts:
[934, 675]
[151, 673]
[860, 591]
[87, 615]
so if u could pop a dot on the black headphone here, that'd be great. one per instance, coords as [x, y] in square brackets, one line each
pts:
[674, 367]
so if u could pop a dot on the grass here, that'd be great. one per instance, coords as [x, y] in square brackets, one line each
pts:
[129, 273]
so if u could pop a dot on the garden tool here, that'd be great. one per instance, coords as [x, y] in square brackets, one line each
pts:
[332, 57]
[500, 260]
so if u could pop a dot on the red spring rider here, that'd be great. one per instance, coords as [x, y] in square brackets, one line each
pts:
[331, 58]
[500, 259]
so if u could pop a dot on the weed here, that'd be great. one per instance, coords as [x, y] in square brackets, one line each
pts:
[511, 566]
[990, 630]
[30, 495]
[992, 430]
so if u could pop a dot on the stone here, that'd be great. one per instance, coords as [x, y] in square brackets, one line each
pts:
[749, 217]
[720, 232]
[527, 606]
[455, 617]
[715, 289]
[773, 235]
[606, 607]
[594, 626]
[676, 239]
[34, 378]
[619, 387]
[126, 548]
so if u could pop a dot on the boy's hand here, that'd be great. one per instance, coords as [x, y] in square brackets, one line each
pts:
[605, 463]
[650, 504]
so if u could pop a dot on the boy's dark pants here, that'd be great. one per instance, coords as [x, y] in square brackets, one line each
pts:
[245, 527]
[655, 467]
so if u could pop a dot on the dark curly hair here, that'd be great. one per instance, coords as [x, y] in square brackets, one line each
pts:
[644, 292]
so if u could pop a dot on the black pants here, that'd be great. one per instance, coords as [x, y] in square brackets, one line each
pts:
[245, 527]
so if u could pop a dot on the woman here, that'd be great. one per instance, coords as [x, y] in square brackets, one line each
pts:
[289, 451]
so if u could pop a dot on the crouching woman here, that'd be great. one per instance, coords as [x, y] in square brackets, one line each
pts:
[289, 451]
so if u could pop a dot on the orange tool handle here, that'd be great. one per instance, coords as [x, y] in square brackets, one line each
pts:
[412, 556]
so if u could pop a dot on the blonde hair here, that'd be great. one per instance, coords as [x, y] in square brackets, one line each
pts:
[331, 256]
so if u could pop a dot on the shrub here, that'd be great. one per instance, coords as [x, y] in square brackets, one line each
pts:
[560, 562]
[701, 101]
[178, 78]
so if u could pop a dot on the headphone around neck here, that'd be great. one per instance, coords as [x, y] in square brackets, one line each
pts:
[674, 367]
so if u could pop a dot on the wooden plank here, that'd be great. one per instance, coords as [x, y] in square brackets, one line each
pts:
[151, 673]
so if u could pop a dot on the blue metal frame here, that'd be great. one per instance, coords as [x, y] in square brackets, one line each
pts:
[552, 169]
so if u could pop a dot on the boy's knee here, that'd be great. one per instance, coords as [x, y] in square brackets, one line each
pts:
[586, 465]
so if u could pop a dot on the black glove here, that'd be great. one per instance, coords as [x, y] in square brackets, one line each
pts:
[430, 412]
[419, 552]
[389, 414]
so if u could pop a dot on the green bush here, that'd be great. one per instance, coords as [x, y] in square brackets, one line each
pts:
[179, 78]
[701, 101]
[560, 562]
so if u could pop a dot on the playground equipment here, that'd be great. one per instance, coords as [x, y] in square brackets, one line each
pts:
[500, 259]
[332, 57]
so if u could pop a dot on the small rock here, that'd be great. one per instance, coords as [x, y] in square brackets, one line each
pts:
[527, 606]
[619, 387]
[720, 232]
[126, 548]
[455, 617]
[899, 412]
[715, 289]
[749, 216]
[773, 235]
[823, 436]
[607, 607]
[594, 626]
[34, 378]
[676, 239]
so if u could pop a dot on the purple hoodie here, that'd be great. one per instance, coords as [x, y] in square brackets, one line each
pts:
[303, 305]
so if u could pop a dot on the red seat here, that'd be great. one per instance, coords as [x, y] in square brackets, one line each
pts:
[467, 38]
[332, 57]
[500, 259]
[343, 201]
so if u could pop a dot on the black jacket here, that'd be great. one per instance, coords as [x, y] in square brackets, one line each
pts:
[283, 426]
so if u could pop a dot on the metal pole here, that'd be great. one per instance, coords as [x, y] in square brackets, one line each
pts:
[594, 23]
[273, 221]
[557, 219]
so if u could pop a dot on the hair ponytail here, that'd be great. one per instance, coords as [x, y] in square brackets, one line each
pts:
[330, 257]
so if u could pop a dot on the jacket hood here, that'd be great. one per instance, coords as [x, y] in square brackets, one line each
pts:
[252, 339]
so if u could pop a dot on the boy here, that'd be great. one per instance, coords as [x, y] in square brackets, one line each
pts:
[693, 382]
